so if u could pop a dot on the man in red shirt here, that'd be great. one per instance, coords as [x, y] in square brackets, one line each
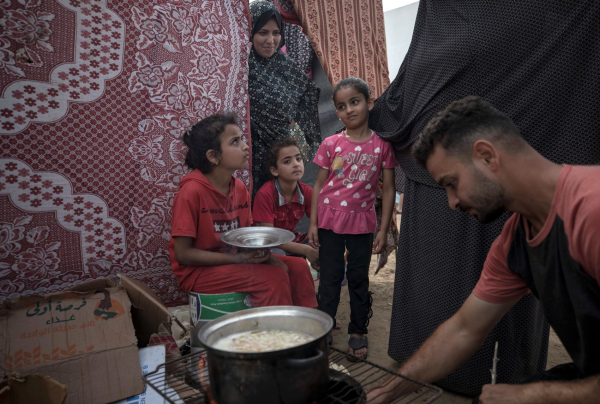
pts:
[283, 201]
[549, 247]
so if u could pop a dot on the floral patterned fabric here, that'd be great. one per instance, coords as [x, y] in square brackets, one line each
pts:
[348, 37]
[284, 6]
[279, 93]
[95, 97]
[288, 14]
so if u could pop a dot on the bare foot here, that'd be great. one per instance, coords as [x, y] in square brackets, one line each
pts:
[359, 352]
[337, 325]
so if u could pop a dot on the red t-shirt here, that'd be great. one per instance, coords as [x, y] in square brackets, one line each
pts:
[203, 213]
[576, 202]
[270, 206]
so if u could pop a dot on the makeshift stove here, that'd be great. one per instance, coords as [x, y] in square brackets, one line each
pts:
[186, 380]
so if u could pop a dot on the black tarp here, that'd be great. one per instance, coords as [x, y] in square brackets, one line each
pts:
[539, 62]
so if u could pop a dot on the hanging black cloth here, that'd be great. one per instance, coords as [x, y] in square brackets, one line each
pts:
[537, 61]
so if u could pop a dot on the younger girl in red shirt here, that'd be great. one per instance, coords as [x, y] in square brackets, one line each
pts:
[211, 201]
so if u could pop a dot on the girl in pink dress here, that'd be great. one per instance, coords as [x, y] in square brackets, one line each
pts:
[342, 213]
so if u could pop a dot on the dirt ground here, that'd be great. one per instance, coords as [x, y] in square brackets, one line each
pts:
[382, 286]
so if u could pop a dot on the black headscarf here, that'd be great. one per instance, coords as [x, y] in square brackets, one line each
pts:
[261, 13]
[280, 92]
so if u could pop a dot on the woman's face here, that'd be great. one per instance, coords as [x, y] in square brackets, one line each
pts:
[266, 40]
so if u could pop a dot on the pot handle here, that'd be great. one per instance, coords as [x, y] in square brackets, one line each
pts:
[301, 363]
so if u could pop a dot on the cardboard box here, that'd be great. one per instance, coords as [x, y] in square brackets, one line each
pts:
[83, 338]
[150, 359]
[32, 389]
[148, 310]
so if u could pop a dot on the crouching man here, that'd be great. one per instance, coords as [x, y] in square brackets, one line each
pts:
[549, 247]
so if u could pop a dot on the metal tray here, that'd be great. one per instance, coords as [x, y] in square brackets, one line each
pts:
[257, 237]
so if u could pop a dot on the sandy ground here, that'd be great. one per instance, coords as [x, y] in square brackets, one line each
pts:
[382, 286]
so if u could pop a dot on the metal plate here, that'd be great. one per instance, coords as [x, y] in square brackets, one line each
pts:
[257, 237]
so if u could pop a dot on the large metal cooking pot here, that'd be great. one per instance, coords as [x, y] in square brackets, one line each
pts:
[296, 375]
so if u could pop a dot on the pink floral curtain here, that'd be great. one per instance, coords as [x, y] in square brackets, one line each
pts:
[348, 37]
[95, 95]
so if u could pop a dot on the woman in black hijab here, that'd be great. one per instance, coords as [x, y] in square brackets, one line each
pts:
[283, 99]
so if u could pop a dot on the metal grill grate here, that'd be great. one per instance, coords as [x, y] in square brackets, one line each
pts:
[185, 380]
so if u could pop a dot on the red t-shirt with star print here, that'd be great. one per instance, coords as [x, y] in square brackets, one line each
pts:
[203, 213]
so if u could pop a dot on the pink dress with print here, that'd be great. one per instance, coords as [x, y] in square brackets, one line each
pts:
[346, 202]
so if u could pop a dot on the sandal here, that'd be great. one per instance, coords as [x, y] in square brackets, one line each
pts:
[357, 343]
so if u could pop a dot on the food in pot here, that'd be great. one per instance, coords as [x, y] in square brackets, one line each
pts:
[262, 341]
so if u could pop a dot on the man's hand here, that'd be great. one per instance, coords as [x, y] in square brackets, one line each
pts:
[388, 392]
[313, 256]
[502, 394]
[380, 242]
[313, 236]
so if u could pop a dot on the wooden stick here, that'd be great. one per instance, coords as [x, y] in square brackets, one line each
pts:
[493, 370]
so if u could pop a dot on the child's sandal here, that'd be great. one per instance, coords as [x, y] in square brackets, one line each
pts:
[357, 343]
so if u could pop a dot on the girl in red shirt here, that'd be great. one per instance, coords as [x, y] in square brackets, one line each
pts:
[211, 201]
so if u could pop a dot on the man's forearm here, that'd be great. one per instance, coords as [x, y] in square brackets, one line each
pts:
[448, 348]
[585, 391]
[579, 391]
